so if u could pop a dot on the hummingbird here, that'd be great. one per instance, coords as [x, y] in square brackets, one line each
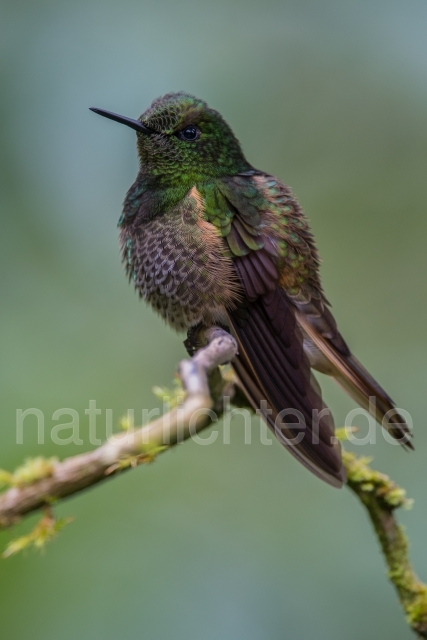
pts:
[209, 240]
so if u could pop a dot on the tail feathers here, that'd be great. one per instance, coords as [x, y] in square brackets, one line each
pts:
[276, 376]
[352, 376]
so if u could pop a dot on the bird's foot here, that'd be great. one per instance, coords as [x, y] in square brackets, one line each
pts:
[196, 337]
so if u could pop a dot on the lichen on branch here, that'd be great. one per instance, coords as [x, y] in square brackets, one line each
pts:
[381, 497]
[41, 482]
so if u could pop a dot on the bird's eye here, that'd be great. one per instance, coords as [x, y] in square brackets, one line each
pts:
[190, 133]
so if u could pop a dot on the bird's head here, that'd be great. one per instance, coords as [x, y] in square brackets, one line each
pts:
[179, 138]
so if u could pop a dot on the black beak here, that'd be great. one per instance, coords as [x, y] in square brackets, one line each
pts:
[133, 124]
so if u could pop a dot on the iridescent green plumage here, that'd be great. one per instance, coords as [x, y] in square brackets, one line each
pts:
[209, 239]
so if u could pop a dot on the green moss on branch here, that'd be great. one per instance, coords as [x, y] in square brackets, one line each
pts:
[381, 496]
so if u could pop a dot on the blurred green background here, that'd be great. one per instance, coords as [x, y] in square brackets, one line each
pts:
[232, 542]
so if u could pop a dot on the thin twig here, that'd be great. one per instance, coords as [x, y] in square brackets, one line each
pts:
[46, 481]
[381, 496]
[138, 445]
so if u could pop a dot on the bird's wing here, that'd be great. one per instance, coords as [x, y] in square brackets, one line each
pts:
[272, 365]
[286, 227]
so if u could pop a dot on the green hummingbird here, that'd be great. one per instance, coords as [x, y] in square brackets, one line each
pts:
[207, 240]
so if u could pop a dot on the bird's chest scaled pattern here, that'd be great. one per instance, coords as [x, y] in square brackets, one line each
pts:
[178, 264]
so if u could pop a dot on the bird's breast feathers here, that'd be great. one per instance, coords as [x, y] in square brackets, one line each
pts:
[183, 259]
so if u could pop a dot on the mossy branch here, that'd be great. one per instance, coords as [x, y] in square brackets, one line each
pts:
[40, 482]
[381, 497]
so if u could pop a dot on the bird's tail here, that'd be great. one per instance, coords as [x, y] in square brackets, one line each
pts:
[329, 354]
